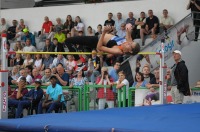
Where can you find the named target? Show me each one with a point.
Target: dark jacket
(60, 48)
(181, 76)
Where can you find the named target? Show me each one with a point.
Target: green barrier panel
(75, 88)
(120, 92)
(87, 91)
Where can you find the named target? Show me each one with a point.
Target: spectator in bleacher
(23, 73)
(151, 27)
(105, 95)
(70, 64)
(109, 21)
(18, 46)
(121, 82)
(30, 99)
(3, 26)
(58, 25)
(46, 78)
(59, 60)
(78, 27)
(28, 60)
(62, 76)
(122, 31)
(154, 82)
(132, 20)
(140, 23)
(35, 75)
(194, 5)
(53, 98)
(28, 35)
(139, 80)
(93, 67)
(147, 74)
(48, 46)
(47, 61)
(90, 31)
(29, 47)
(29, 70)
(18, 93)
(18, 60)
(19, 30)
(79, 80)
(119, 21)
(68, 25)
(180, 82)
(165, 21)
(46, 28)
(113, 72)
(15, 73)
(38, 62)
(59, 35)
(11, 33)
(99, 30)
(10, 57)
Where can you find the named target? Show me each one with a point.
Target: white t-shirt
(166, 21)
(38, 63)
(28, 79)
(126, 83)
(29, 49)
(104, 83)
(79, 26)
(26, 62)
(70, 65)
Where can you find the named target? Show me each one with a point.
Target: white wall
(94, 14)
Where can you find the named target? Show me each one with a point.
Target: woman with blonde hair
(18, 46)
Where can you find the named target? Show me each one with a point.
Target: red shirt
(109, 95)
(14, 94)
(47, 26)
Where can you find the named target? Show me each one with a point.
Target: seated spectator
(62, 76)
(28, 35)
(53, 98)
(166, 21)
(38, 62)
(71, 64)
(31, 99)
(119, 21)
(59, 60)
(48, 46)
(122, 31)
(19, 30)
(29, 70)
(18, 61)
(3, 26)
(46, 78)
(58, 25)
(139, 80)
(11, 33)
(140, 23)
(105, 95)
(57, 46)
(18, 46)
(109, 21)
(18, 93)
(99, 30)
(46, 29)
(23, 73)
(28, 61)
(68, 25)
(29, 47)
(151, 27)
(59, 35)
(78, 27)
(90, 32)
(78, 80)
(14, 75)
(35, 75)
(47, 61)
(93, 67)
(10, 57)
(113, 72)
(121, 82)
(154, 82)
(131, 20)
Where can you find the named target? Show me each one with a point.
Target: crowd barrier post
(131, 90)
(120, 92)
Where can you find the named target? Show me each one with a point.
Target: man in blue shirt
(29, 35)
(54, 92)
(32, 98)
(62, 76)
